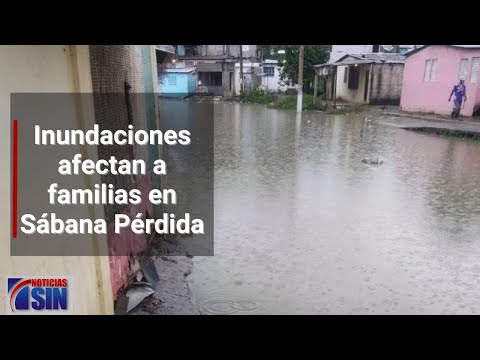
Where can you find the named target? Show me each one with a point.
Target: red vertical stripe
(15, 180)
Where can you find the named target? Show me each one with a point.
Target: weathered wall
(209, 67)
(230, 50)
(250, 53)
(274, 83)
(118, 74)
(228, 80)
(45, 68)
(476, 107)
(386, 84)
(432, 96)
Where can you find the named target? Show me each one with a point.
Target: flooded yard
(303, 226)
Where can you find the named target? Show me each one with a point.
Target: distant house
(271, 77)
(339, 51)
(432, 71)
(215, 65)
(251, 76)
(370, 78)
(176, 82)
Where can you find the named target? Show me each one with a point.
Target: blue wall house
(177, 82)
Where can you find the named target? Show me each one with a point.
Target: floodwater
(302, 226)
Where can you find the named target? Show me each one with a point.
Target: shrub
(289, 102)
(256, 96)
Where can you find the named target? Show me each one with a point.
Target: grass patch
(257, 96)
(289, 102)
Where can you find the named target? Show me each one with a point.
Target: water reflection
(303, 226)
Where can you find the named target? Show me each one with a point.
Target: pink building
(430, 74)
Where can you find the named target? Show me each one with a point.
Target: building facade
(339, 51)
(215, 65)
(178, 82)
(371, 78)
(271, 77)
(432, 71)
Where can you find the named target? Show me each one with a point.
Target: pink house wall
(421, 96)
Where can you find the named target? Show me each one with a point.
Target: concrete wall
(432, 96)
(209, 66)
(249, 51)
(248, 68)
(114, 67)
(230, 50)
(45, 68)
(351, 95)
(476, 108)
(386, 84)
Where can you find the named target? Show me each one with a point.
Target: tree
(314, 55)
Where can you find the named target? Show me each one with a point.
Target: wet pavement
(302, 226)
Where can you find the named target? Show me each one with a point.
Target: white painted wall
(274, 83)
(247, 67)
(49, 68)
(271, 84)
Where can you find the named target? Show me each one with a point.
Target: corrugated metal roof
(368, 58)
(166, 48)
(376, 57)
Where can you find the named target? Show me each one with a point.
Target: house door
(365, 94)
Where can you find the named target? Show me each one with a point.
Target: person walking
(460, 93)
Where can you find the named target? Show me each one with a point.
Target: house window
(430, 73)
(462, 71)
(475, 69)
(172, 81)
(269, 71)
(345, 74)
(433, 72)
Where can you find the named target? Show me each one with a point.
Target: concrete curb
(427, 118)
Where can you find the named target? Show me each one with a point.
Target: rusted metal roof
(367, 58)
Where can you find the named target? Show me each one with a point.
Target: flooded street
(302, 226)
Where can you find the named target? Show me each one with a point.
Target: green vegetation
(275, 101)
(289, 102)
(313, 55)
(257, 96)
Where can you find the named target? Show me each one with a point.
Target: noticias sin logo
(38, 295)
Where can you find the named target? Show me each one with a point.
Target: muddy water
(302, 226)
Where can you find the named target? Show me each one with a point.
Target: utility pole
(241, 67)
(300, 80)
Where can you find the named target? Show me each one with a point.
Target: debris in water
(375, 161)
